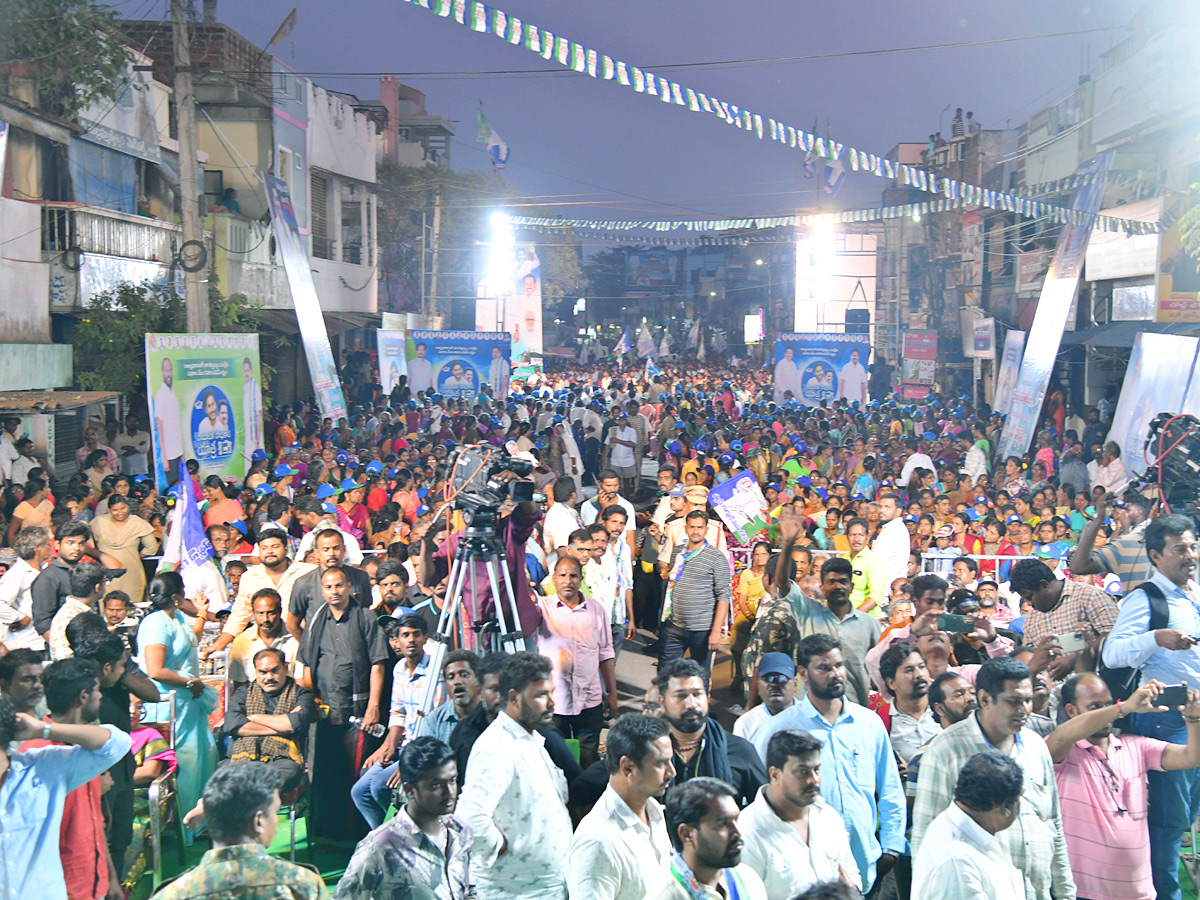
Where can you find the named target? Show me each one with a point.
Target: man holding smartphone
(1171, 655)
(1061, 608)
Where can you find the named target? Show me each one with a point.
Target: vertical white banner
(321, 367)
(1055, 302)
(1010, 366)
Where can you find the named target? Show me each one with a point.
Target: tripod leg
(497, 574)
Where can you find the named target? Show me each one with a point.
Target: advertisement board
(321, 368)
(392, 364)
(510, 299)
(656, 267)
(205, 403)
(1155, 381)
(1010, 365)
(456, 363)
(816, 367)
(1054, 304)
(1178, 274)
(1031, 267)
(919, 357)
(984, 334)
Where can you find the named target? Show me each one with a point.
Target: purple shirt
(575, 641)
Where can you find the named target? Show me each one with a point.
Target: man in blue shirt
(1170, 655)
(33, 786)
(859, 777)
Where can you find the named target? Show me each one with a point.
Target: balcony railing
(91, 229)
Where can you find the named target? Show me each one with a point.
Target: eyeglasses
(1115, 784)
(776, 678)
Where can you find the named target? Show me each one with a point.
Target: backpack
(1124, 680)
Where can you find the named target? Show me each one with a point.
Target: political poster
(205, 403)
(456, 364)
(1155, 381)
(510, 298)
(822, 366)
(919, 357)
(1010, 365)
(390, 345)
(1054, 305)
(741, 505)
(321, 368)
(984, 338)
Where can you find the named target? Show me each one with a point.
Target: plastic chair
(163, 798)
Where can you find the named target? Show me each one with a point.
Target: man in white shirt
(917, 459)
(8, 448)
(166, 421)
(776, 689)
(561, 519)
(892, 545)
(1112, 475)
(515, 798)
(960, 858)
(621, 441)
(132, 447)
(267, 631)
(622, 844)
(853, 379)
(16, 603)
(498, 374)
(794, 839)
(420, 371)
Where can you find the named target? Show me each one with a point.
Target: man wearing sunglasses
(776, 689)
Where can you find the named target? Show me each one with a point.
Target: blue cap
(325, 491)
(375, 467)
(284, 469)
(1012, 518)
(239, 526)
(349, 484)
(675, 447)
(329, 508)
(911, 518)
(342, 457)
(393, 472)
(727, 459)
(929, 436)
(735, 446)
(263, 490)
(776, 664)
(701, 446)
(259, 455)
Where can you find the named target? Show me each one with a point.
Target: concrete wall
(35, 367)
(252, 142)
(24, 278)
(340, 140)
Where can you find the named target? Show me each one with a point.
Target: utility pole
(437, 233)
(195, 290)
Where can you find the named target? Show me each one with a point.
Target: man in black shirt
(344, 654)
(307, 596)
(53, 584)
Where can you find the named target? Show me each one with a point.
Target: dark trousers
(591, 456)
(1174, 803)
(337, 758)
(119, 801)
(677, 641)
(584, 727)
(647, 598)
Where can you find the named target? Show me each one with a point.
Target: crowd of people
(953, 675)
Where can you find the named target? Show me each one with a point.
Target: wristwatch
(46, 731)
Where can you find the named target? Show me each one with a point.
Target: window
(322, 247)
(283, 169)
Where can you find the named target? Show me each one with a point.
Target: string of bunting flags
(485, 19)
(871, 214)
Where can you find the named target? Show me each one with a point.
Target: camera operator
(514, 527)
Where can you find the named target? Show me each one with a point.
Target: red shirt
(81, 842)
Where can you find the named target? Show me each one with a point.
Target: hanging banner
(1010, 365)
(824, 366)
(205, 403)
(919, 360)
(321, 368)
(984, 335)
(741, 505)
(390, 345)
(1054, 304)
(1155, 381)
(3, 149)
(456, 363)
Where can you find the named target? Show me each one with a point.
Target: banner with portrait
(205, 402)
(456, 363)
(1010, 365)
(390, 345)
(822, 366)
(741, 505)
(510, 299)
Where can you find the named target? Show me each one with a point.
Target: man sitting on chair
(268, 719)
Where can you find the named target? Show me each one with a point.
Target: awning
(26, 403)
(1123, 334)
(335, 322)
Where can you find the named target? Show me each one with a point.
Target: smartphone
(961, 624)
(1173, 696)
(1072, 642)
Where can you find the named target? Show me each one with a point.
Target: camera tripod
(459, 624)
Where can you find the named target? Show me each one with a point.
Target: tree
(110, 338)
(70, 47)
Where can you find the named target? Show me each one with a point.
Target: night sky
(593, 149)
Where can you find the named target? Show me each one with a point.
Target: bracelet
(46, 731)
(1119, 713)
(1191, 718)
